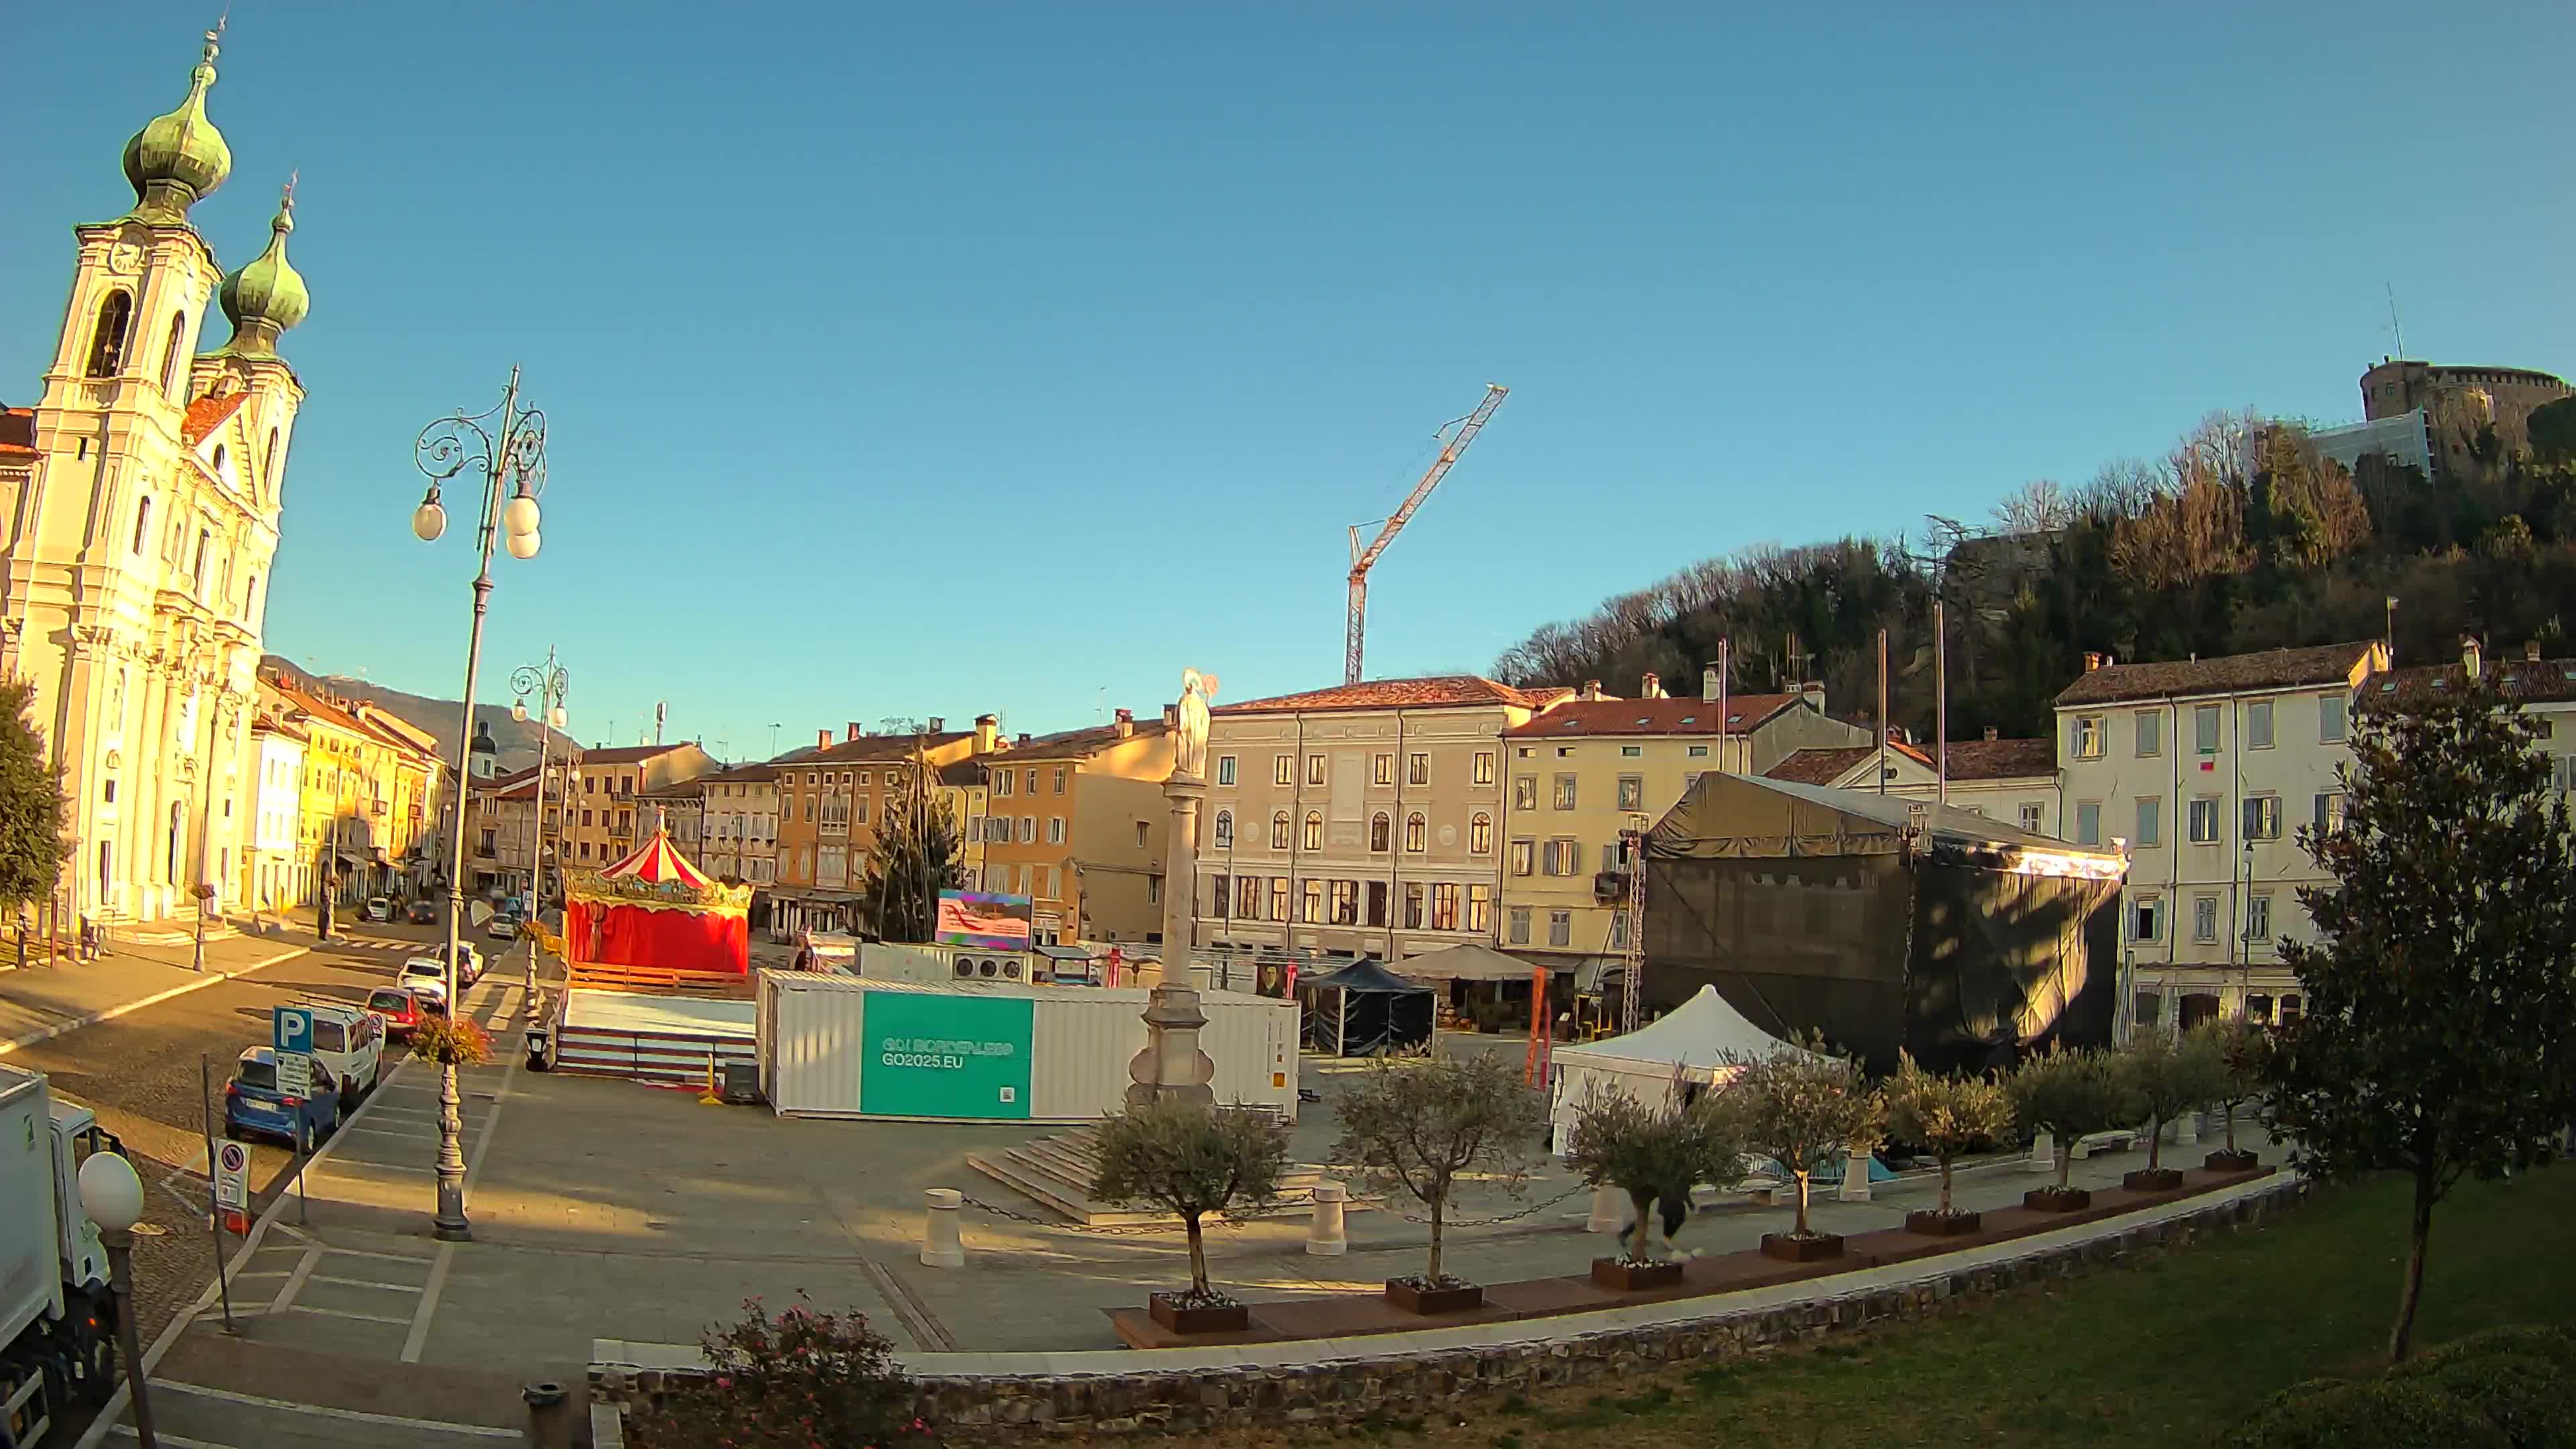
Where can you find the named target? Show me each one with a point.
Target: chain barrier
(1101, 1230)
(1536, 1207)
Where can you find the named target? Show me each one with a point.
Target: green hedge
(2512, 1387)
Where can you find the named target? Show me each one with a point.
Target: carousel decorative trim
(590, 885)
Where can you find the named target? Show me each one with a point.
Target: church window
(250, 597)
(170, 357)
(219, 460)
(204, 537)
(142, 522)
(268, 464)
(107, 340)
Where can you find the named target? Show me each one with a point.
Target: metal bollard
(1609, 1211)
(1324, 1235)
(940, 1245)
(549, 1416)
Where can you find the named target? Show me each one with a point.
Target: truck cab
(57, 1313)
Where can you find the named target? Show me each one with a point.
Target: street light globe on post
(519, 516)
(519, 710)
(523, 545)
(110, 1192)
(555, 716)
(429, 520)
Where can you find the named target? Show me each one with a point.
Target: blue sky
(934, 359)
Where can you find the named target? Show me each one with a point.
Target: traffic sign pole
(215, 1216)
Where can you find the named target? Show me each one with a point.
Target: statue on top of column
(1189, 744)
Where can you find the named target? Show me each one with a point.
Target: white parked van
(348, 1041)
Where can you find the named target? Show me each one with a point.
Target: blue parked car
(254, 1107)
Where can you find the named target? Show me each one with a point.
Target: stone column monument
(1172, 1065)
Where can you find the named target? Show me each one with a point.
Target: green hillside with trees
(2243, 537)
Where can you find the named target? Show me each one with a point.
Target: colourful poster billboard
(938, 1054)
(984, 922)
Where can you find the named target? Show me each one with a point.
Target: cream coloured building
(1362, 819)
(2206, 769)
(274, 871)
(741, 825)
(2013, 782)
(150, 485)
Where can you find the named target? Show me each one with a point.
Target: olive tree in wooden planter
(1191, 1159)
(2236, 1051)
(1947, 1116)
(1418, 1127)
(1655, 1153)
(2070, 1095)
(1801, 1106)
(2165, 1075)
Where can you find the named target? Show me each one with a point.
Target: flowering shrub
(451, 1040)
(797, 1380)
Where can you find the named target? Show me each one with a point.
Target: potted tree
(1948, 1116)
(1654, 1154)
(2070, 1094)
(1800, 1106)
(2235, 1052)
(1419, 1127)
(2164, 1076)
(1191, 1159)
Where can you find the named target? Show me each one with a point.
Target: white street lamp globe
(519, 710)
(519, 516)
(523, 545)
(110, 1192)
(428, 521)
(555, 717)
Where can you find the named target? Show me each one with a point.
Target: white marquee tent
(1684, 1045)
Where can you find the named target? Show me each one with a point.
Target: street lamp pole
(111, 1193)
(507, 446)
(548, 682)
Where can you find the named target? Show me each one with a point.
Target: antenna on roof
(2394, 329)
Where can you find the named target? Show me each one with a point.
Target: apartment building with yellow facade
(1594, 766)
(1359, 820)
(366, 806)
(831, 799)
(740, 838)
(1078, 822)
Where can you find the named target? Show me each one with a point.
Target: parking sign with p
(291, 1030)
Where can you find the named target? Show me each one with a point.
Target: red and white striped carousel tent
(656, 911)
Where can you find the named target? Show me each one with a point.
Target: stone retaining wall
(986, 1408)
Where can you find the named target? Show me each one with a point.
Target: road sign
(294, 1075)
(232, 1177)
(291, 1030)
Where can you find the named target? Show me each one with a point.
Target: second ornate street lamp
(549, 682)
(507, 446)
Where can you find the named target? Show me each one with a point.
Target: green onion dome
(266, 297)
(177, 159)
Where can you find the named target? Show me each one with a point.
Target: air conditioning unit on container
(967, 963)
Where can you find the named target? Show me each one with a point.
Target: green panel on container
(935, 1055)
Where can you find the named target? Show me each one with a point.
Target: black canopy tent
(1882, 922)
(1366, 1010)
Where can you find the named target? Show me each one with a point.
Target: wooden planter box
(1411, 1299)
(2057, 1199)
(1621, 1276)
(1937, 1224)
(1802, 1250)
(2224, 1161)
(1214, 1318)
(2152, 1179)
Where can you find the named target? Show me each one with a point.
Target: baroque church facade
(144, 493)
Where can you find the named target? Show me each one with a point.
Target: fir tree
(919, 852)
(32, 844)
(2439, 1039)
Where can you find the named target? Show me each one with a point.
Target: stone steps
(1057, 1172)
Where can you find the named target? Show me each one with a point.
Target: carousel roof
(658, 862)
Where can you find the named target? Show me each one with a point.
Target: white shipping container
(813, 1045)
(31, 1279)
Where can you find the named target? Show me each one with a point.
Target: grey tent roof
(1756, 816)
(1468, 961)
(1364, 975)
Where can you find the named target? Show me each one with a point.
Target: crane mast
(1362, 559)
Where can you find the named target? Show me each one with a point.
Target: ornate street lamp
(549, 682)
(507, 447)
(112, 1195)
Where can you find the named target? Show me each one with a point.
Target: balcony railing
(621, 832)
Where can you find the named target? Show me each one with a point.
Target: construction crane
(1363, 559)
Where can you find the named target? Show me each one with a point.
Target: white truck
(57, 1315)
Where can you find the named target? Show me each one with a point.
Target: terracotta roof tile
(1430, 692)
(1999, 759)
(1579, 717)
(2543, 681)
(1820, 767)
(870, 747)
(1081, 744)
(17, 433)
(629, 754)
(750, 774)
(2321, 664)
(207, 414)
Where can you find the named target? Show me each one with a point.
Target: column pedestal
(1325, 1237)
(2043, 1154)
(1856, 1175)
(940, 1245)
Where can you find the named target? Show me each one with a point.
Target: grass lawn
(2158, 1354)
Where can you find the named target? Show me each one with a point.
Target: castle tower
(137, 564)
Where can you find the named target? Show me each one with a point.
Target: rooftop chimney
(1814, 690)
(2531, 651)
(1592, 689)
(988, 732)
(854, 730)
(2092, 661)
(1024, 737)
(2471, 656)
(1708, 685)
(1653, 687)
(1171, 716)
(938, 724)
(822, 739)
(1125, 723)
(1990, 732)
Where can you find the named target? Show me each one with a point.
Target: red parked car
(402, 1010)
